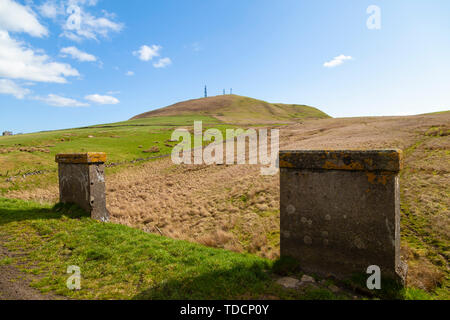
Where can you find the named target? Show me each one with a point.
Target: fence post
(82, 181)
(340, 211)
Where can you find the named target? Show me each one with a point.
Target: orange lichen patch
(286, 164)
(329, 165)
(381, 178)
(369, 162)
(284, 161)
(395, 154)
(384, 178)
(89, 157)
(371, 177)
(396, 157)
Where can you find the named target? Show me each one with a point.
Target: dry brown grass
(153, 149)
(24, 149)
(42, 195)
(422, 273)
(197, 203)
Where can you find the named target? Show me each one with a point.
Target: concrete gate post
(82, 181)
(340, 211)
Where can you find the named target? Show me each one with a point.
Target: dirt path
(15, 285)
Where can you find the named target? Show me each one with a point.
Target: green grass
(123, 142)
(118, 262)
(181, 120)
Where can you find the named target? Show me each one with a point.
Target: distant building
(7, 133)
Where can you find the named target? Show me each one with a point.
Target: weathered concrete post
(340, 211)
(82, 181)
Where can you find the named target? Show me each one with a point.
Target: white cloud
(75, 53)
(96, 98)
(60, 101)
(129, 73)
(10, 87)
(146, 53)
(50, 9)
(83, 2)
(20, 62)
(162, 63)
(337, 61)
(15, 17)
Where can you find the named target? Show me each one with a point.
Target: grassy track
(118, 262)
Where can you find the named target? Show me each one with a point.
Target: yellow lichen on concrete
(285, 164)
(369, 162)
(79, 158)
(384, 177)
(381, 178)
(329, 165)
(351, 160)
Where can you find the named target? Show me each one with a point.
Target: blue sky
(70, 63)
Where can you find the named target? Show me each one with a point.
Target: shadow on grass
(16, 210)
(239, 282)
(391, 289)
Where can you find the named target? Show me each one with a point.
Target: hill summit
(238, 110)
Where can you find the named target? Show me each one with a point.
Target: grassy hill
(238, 110)
(144, 136)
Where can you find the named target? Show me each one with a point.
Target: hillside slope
(238, 110)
